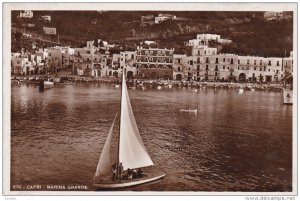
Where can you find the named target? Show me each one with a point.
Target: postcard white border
(180, 6)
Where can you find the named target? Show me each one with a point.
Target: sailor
(140, 173)
(121, 168)
(114, 171)
(129, 174)
(134, 174)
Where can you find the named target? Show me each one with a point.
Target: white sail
(104, 164)
(132, 152)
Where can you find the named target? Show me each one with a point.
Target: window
(88, 52)
(254, 62)
(178, 68)
(269, 69)
(223, 67)
(238, 68)
(223, 59)
(198, 67)
(260, 62)
(228, 68)
(198, 73)
(206, 67)
(264, 68)
(248, 61)
(269, 63)
(18, 62)
(277, 63)
(207, 60)
(216, 68)
(217, 60)
(260, 69)
(95, 59)
(87, 59)
(231, 61)
(254, 68)
(238, 61)
(191, 62)
(204, 51)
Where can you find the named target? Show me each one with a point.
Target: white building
(26, 14)
(49, 30)
(46, 18)
(163, 17)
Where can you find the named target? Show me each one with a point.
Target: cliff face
(249, 31)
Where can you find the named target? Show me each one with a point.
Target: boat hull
(127, 183)
(48, 84)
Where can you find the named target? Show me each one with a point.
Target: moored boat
(287, 96)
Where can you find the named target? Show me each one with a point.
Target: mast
(118, 158)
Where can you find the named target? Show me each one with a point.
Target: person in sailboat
(140, 173)
(114, 172)
(134, 174)
(129, 174)
(121, 169)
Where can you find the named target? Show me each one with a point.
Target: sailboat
(131, 151)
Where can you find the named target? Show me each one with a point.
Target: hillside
(250, 33)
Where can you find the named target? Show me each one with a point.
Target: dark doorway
(178, 77)
(129, 74)
(242, 77)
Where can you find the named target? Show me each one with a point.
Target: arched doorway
(242, 77)
(169, 66)
(179, 77)
(129, 74)
(115, 74)
(99, 73)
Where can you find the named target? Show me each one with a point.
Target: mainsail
(104, 164)
(132, 152)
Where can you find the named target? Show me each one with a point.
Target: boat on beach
(132, 153)
(48, 84)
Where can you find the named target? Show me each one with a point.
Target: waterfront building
(179, 67)
(101, 65)
(42, 52)
(127, 62)
(252, 69)
(154, 63)
(55, 59)
(22, 65)
(287, 63)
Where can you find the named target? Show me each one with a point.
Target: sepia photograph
(178, 98)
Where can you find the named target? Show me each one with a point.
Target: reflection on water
(234, 142)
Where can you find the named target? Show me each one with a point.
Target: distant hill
(250, 33)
